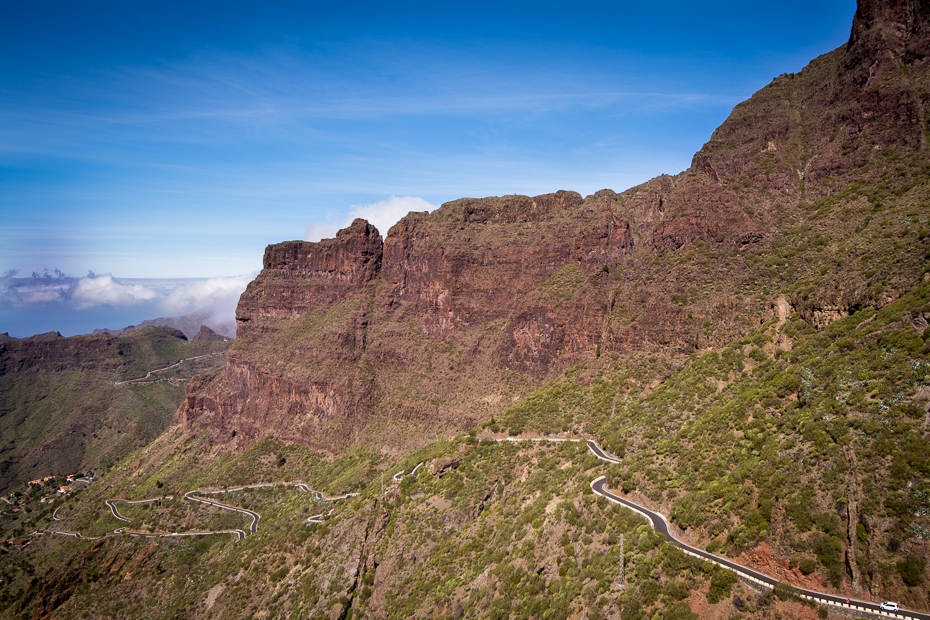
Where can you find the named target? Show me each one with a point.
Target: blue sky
(177, 140)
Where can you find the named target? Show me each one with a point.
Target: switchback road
(151, 372)
(413, 474)
(253, 527)
(660, 524)
(240, 534)
(598, 486)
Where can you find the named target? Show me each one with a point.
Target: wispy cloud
(292, 93)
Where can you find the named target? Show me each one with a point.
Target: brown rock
(460, 311)
(441, 467)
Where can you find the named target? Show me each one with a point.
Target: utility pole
(622, 575)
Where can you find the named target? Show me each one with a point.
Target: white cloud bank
(104, 290)
(216, 298)
(382, 215)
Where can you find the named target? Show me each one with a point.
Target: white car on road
(887, 606)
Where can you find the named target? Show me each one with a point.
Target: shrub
(786, 592)
(911, 569)
(807, 565)
(721, 583)
(678, 590)
(679, 611)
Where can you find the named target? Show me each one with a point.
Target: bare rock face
(459, 312)
(895, 26)
(837, 115)
(455, 314)
(298, 276)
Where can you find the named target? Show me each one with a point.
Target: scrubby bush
(679, 611)
(721, 583)
(807, 565)
(911, 570)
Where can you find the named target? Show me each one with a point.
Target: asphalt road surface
(253, 527)
(599, 487)
(413, 474)
(596, 449)
(661, 526)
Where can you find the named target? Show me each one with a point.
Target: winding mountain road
(158, 370)
(111, 504)
(413, 474)
(253, 526)
(190, 496)
(660, 524)
(239, 534)
(599, 453)
(320, 496)
(67, 533)
(598, 486)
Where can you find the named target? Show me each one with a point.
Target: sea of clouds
(54, 301)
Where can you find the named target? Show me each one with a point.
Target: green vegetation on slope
(486, 530)
(63, 407)
(779, 437)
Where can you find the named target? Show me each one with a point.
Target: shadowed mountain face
(811, 197)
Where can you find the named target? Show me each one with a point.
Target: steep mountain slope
(190, 324)
(66, 404)
(750, 337)
(801, 451)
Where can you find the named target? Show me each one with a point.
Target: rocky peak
(329, 271)
(886, 36)
(848, 108)
(207, 334)
(353, 256)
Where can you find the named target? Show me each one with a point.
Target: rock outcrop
(458, 312)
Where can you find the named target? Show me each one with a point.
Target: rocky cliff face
(298, 277)
(458, 312)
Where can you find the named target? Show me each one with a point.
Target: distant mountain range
(190, 324)
(68, 404)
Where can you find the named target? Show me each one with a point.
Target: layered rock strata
(456, 313)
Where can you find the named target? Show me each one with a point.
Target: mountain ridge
(502, 292)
